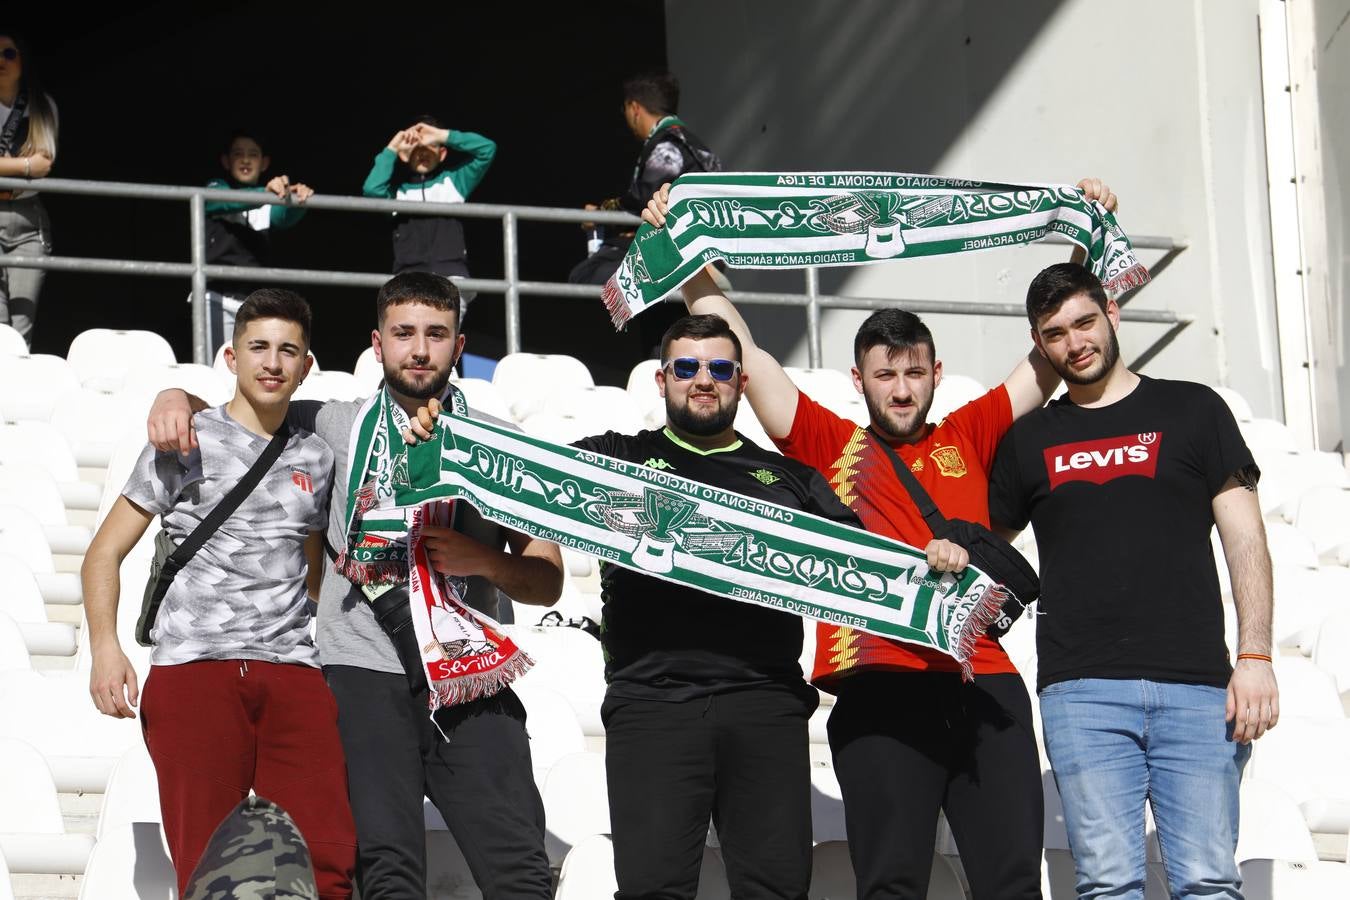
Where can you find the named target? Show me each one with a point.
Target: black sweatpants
(907, 744)
(741, 758)
(480, 780)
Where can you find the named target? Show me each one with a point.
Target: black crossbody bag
(989, 553)
(169, 560)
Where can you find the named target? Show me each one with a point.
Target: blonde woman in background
(27, 150)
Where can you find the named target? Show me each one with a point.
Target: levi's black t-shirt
(1120, 500)
(664, 641)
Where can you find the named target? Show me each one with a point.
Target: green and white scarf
(792, 220)
(464, 653)
(694, 534)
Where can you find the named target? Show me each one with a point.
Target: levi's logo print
(1104, 460)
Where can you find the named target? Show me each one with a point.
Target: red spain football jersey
(952, 462)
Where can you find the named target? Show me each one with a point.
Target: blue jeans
(1114, 744)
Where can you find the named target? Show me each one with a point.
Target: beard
(432, 387)
(700, 421)
(1105, 361)
(884, 420)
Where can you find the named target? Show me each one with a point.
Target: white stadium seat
(141, 385)
(55, 714)
(30, 487)
(954, 392)
(32, 832)
(1271, 826)
(1331, 650)
(6, 887)
(22, 601)
(825, 386)
(94, 422)
(41, 444)
(827, 805)
(531, 381)
(133, 792)
(1310, 760)
(130, 863)
(21, 536)
(644, 393)
(1288, 546)
(102, 357)
(1268, 435)
(570, 662)
(551, 723)
(11, 342)
(35, 386)
(576, 803)
(13, 648)
(1306, 690)
(1272, 879)
(1237, 404)
(1303, 598)
(482, 396)
(369, 371)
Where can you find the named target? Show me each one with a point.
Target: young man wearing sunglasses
(908, 736)
(706, 711)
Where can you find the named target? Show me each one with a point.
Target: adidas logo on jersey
(1104, 460)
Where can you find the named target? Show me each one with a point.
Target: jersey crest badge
(949, 462)
(300, 478)
(764, 476)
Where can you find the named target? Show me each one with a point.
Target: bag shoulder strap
(937, 522)
(202, 533)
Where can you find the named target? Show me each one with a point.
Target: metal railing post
(200, 347)
(511, 299)
(814, 356)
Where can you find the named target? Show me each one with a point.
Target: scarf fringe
(619, 310)
(985, 613)
(467, 688)
(370, 573)
(1135, 276)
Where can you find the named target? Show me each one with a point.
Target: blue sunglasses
(686, 367)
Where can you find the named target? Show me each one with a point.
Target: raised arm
(1253, 696)
(1033, 381)
(112, 679)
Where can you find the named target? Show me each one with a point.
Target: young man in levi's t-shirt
(908, 737)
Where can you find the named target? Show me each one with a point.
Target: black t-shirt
(664, 641)
(1120, 499)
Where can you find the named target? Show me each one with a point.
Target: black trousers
(480, 780)
(907, 744)
(741, 758)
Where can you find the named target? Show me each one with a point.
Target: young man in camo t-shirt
(235, 699)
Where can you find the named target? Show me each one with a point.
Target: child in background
(416, 155)
(238, 234)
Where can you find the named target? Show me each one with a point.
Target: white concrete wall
(1331, 51)
(1162, 98)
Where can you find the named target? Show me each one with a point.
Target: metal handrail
(510, 286)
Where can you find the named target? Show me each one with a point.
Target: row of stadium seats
(64, 455)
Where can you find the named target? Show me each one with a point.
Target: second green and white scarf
(798, 219)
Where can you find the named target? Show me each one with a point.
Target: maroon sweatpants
(216, 728)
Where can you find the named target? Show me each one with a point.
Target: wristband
(1260, 656)
(28, 167)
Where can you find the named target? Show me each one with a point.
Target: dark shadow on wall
(883, 85)
(148, 93)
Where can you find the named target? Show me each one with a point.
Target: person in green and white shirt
(413, 167)
(239, 233)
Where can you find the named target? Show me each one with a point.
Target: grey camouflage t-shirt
(242, 596)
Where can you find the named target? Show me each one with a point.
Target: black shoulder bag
(170, 559)
(989, 553)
